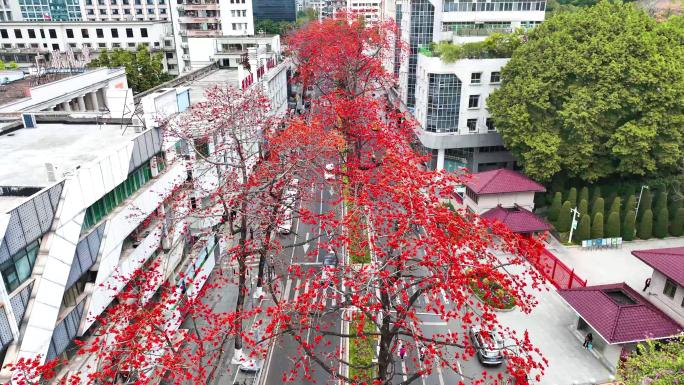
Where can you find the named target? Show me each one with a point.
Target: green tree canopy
(654, 363)
(677, 228)
(144, 69)
(564, 218)
(598, 207)
(595, 93)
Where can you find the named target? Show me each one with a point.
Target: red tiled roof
(518, 219)
(502, 181)
(633, 320)
(668, 261)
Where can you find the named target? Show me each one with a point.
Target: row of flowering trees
(417, 244)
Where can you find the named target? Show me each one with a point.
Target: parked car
(329, 264)
(488, 346)
(328, 173)
(285, 222)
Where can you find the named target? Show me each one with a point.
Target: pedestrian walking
(588, 341)
(421, 353)
(647, 284)
(402, 352)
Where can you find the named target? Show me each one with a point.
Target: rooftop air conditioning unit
(51, 172)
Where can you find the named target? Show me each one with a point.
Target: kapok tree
(418, 247)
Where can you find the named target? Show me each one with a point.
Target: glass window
(490, 125)
(474, 101)
(70, 33)
(143, 32)
(99, 32)
(23, 267)
(472, 125)
(17, 33)
(53, 33)
(129, 32)
(3, 34)
(32, 34)
(202, 147)
(475, 77)
(670, 288)
(495, 78)
(115, 32)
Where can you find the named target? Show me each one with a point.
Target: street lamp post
(639, 201)
(573, 223)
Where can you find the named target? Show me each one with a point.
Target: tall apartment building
(277, 10)
(449, 100)
(27, 43)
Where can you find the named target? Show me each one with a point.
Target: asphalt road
(309, 257)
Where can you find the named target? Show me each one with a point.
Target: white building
(125, 10)
(370, 10)
(228, 51)
(449, 100)
(28, 43)
(102, 90)
(83, 203)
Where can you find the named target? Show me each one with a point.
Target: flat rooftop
(18, 89)
(222, 77)
(24, 152)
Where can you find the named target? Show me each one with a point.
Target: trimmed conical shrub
(646, 225)
(555, 208)
(613, 225)
(615, 206)
(662, 223)
(572, 197)
(583, 207)
(677, 228)
(660, 202)
(631, 203)
(628, 226)
(597, 226)
(583, 229)
(596, 194)
(583, 194)
(676, 203)
(645, 204)
(597, 207)
(564, 218)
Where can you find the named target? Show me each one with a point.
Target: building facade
(125, 10)
(33, 44)
(276, 10)
(449, 99)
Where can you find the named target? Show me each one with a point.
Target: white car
(285, 222)
(328, 173)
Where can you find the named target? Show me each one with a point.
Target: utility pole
(639, 201)
(573, 224)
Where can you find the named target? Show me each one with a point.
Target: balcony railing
(190, 19)
(199, 7)
(465, 32)
(201, 32)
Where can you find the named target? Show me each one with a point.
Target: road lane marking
(318, 240)
(439, 376)
(296, 292)
(286, 293)
(306, 244)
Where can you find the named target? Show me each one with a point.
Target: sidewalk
(606, 266)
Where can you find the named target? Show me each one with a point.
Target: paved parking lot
(606, 266)
(549, 326)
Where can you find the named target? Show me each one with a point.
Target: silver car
(488, 346)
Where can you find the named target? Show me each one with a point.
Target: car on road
(290, 194)
(251, 366)
(285, 222)
(330, 262)
(488, 345)
(328, 173)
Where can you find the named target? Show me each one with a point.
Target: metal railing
(465, 32)
(6, 336)
(66, 330)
